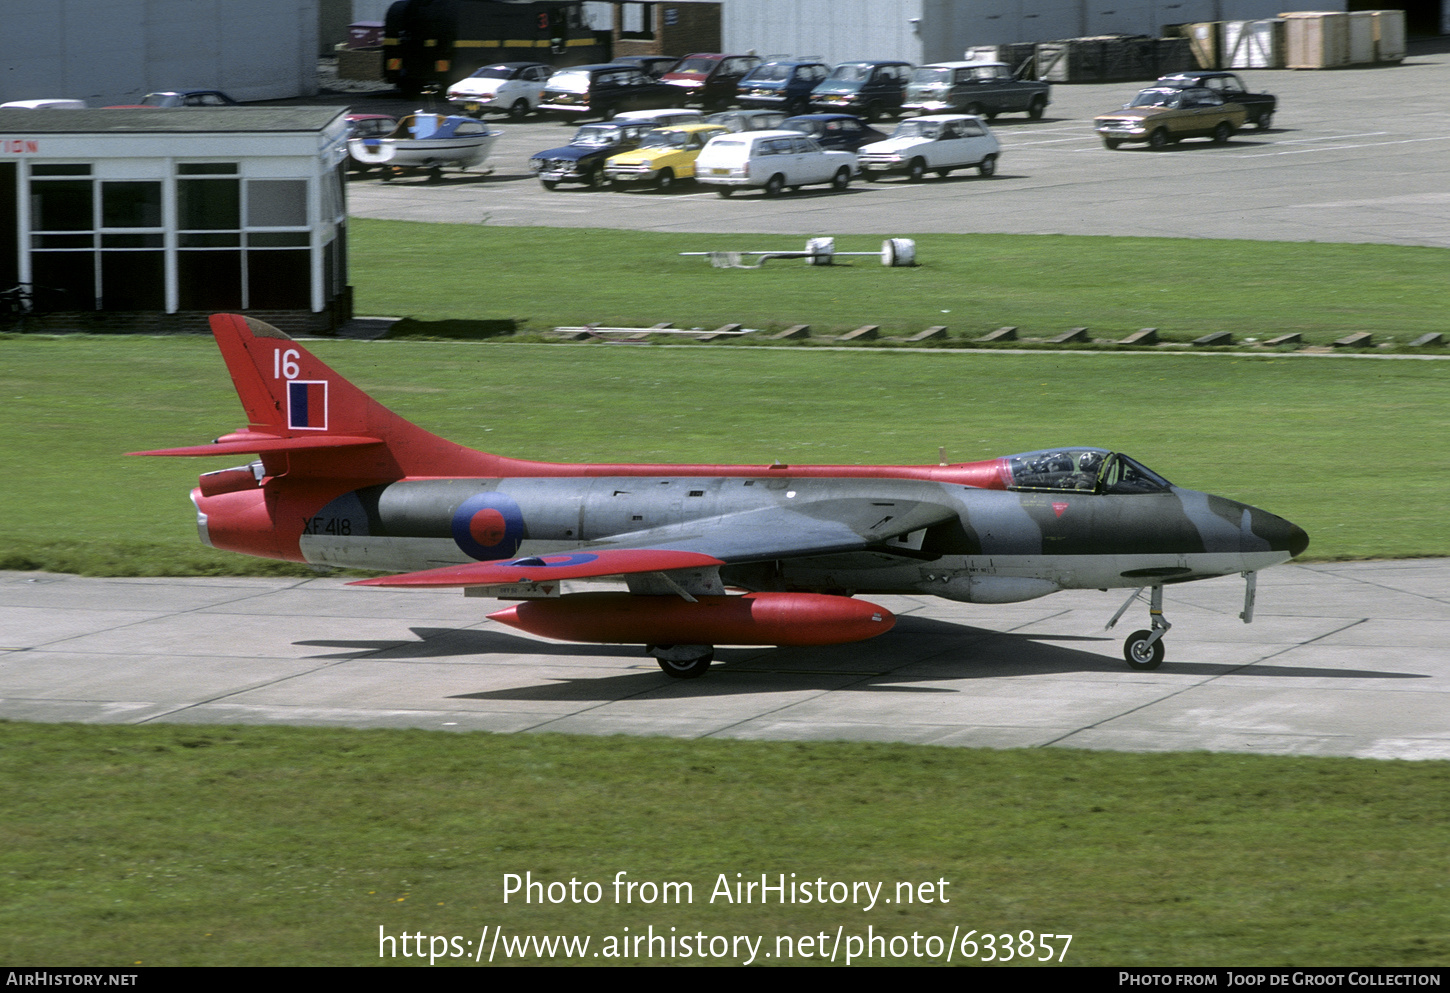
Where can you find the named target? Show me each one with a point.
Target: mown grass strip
(176, 845)
(539, 278)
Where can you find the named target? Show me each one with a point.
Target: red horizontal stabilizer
(752, 619)
(546, 568)
(262, 444)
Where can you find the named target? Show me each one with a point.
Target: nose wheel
(1145, 649)
(683, 661)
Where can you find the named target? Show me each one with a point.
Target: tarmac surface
(1342, 659)
(1354, 155)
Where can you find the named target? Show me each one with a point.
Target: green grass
(1353, 450)
(539, 278)
(175, 845)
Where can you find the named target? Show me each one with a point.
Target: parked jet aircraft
(342, 481)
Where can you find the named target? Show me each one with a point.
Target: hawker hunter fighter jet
(342, 481)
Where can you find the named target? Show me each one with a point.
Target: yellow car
(663, 156)
(1163, 115)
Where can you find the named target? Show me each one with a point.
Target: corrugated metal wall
(116, 51)
(940, 30)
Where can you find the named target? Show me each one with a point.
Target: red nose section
(753, 619)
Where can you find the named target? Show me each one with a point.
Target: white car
(512, 88)
(771, 160)
(939, 144)
(666, 117)
(51, 104)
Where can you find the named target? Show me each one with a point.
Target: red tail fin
(306, 420)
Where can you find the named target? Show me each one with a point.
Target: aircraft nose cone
(1282, 535)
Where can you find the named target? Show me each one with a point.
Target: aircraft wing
(820, 528)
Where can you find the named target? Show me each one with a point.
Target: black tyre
(725, 191)
(549, 184)
(842, 179)
(1158, 139)
(975, 109)
(1036, 109)
(689, 669)
(1111, 143)
(595, 180)
(518, 110)
(774, 185)
(1140, 654)
(868, 176)
(873, 111)
(665, 180)
(1222, 133)
(988, 166)
(916, 172)
(1264, 120)
(943, 173)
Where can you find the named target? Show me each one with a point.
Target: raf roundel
(488, 526)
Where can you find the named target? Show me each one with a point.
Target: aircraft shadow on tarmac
(919, 650)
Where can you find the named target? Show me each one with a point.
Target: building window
(636, 21)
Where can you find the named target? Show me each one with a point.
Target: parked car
(748, 120)
(653, 66)
(54, 103)
(984, 89)
(603, 90)
(937, 143)
(662, 117)
(872, 90)
(835, 130)
(181, 98)
(785, 84)
(1161, 115)
(664, 156)
(1259, 107)
(367, 126)
(582, 160)
(772, 161)
(709, 79)
(513, 88)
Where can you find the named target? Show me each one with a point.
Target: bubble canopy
(1080, 470)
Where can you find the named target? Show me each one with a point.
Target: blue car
(582, 160)
(840, 131)
(784, 85)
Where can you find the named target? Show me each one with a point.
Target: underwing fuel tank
(752, 619)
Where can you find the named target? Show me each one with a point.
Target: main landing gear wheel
(683, 661)
(1139, 653)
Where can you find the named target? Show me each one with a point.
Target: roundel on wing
(488, 526)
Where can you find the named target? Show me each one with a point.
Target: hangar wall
(116, 51)
(922, 31)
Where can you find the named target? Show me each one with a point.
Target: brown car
(1163, 115)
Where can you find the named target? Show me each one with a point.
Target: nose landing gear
(1145, 649)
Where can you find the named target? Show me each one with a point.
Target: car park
(181, 98)
(835, 130)
(603, 90)
(664, 156)
(653, 66)
(984, 89)
(582, 160)
(1162, 115)
(784, 84)
(938, 143)
(871, 90)
(771, 161)
(709, 78)
(513, 88)
(1258, 107)
(748, 120)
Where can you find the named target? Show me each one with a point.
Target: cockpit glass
(1082, 470)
